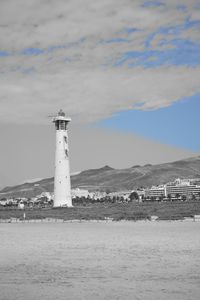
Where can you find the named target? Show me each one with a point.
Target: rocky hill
(109, 179)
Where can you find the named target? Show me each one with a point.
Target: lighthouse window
(57, 125)
(62, 125)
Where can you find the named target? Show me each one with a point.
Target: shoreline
(54, 220)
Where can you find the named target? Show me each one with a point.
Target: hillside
(107, 178)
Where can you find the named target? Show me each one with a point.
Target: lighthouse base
(63, 206)
(62, 202)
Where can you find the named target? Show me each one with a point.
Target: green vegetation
(116, 211)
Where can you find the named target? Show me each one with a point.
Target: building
(121, 194)
(178, 188)
(97, 195)
(79, 193)
(62, 184)
(182, 187)
(156, 191)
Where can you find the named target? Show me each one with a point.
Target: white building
(3, 202)
(124, 194)
(97, 195)
(48, 195)
(62, 184)
(79, 193)
(156, 191)
(178, 187)
(182, 187)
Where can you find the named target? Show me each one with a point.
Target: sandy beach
(114, 260)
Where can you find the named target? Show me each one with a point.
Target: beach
(91, 260)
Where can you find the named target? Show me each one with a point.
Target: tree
(108, 191)
(183, 197)
(193, 197)
(133, 196)
(114, 199)
(170, 197)
(153, 198)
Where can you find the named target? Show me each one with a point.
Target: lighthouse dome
(61, 113)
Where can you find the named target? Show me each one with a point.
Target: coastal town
(178, 190)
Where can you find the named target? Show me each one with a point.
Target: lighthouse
(62, 184)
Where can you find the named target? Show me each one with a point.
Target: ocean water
(124, 260)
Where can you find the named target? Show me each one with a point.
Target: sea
(100, 260)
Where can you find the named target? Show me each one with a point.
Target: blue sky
(153, 3)
(176, 125)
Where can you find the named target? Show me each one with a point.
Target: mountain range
(110, 179)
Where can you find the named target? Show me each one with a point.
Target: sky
(126, 72)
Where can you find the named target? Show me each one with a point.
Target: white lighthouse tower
(62, 185)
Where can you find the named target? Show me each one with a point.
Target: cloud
(92, 94)
(66, 62)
